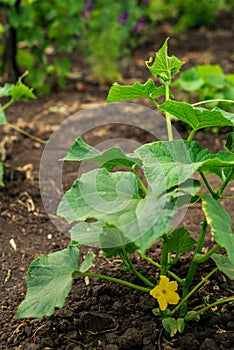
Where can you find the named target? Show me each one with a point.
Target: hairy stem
(210, 189)
(193, 265)
(185, 299)
(25, 133)
(214, 100)
(192, 133)
(167, 115)
(113, 279)
(218, 302)
(226, 181)
(154, 263)
(128, 262)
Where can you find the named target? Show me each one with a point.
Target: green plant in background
(14, 92)
(209, 83)
(39, 35)
(129, 216)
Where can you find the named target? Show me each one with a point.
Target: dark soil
(99, 314)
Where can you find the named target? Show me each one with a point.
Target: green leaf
(87, 262)
(169, 163)
(170, 325)
(109, 159)
(5, 90)
(205, 70)
(25, 59)
(197, 117)
(1, 174)
(180, 324)
(220, 222)
(20, 91)
(180, 241)
(113, 242)
(86, 233)
(229, 145)
(189, 81)
(164, 67)
(130, 92)
(224, 265)
(113, 198)
(98, 193)
(3, 120)
(49, 280)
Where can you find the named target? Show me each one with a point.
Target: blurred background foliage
(40, 35)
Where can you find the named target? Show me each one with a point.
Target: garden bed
(98, 314)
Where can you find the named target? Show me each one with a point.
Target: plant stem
(167, 115)
(128, 262)
(155, 103)
(8, 104)
(214, 100)
(206, 256)
(193, 265)
(212, 192)
(193, 290)
(141, 183)
(23, 132)
(218, 302)
(113, 279)
(226, 181)
(172, 274)
(164, 259)
(192, 133)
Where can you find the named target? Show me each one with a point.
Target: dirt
(99, 314)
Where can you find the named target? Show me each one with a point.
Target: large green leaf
(164, 67)
(49, 280)
(113, 198)
(81, 151)
(169, 163)
(130, 92)
(224, 265)
(197, 117)
(113, 242)
(2, 117)
(97, 194)
(220, 222)
(86, 233)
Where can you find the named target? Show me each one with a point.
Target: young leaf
(130, 92)
(224, 265)
(170, 325)
(2, 117)
(49, 280)
(87, 262)
(169, 163)
(113, 242)
(197, 117)
(20, 91)
(86, 233)
(220, 222)
(164, 67)
(229, 145)
(109, 159)
(180, 241)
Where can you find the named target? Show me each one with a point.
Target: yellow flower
(165, 293)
